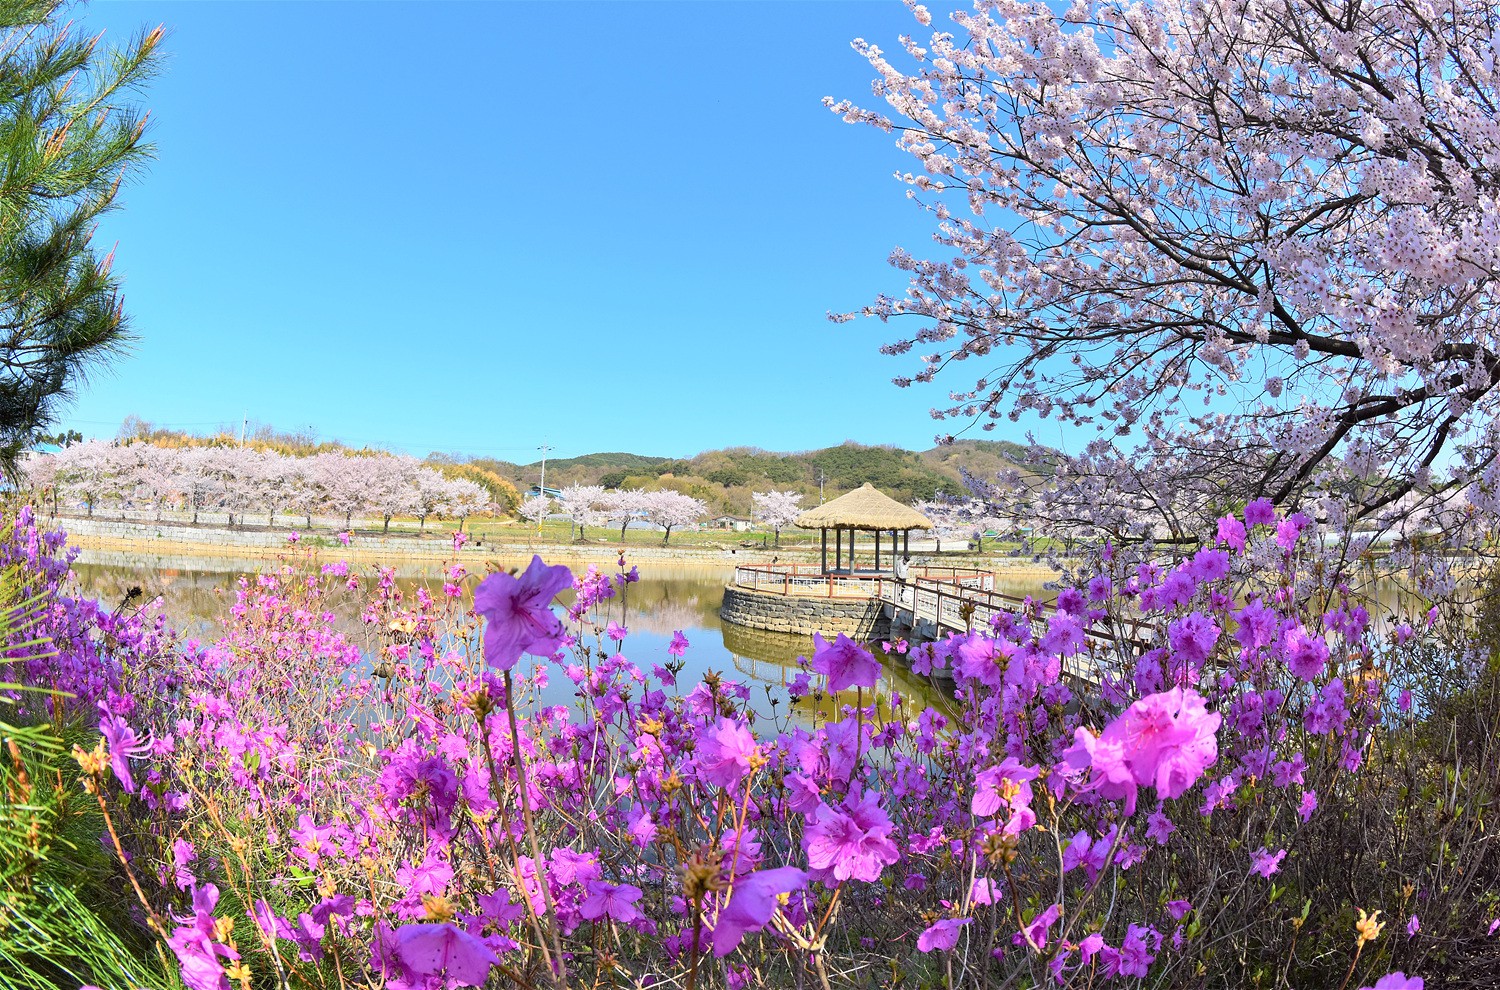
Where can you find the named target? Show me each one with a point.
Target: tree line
(238, 480)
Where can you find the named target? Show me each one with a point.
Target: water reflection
(667, 598)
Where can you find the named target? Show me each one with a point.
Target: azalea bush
(1222, 769)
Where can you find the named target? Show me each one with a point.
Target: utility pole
(544, 447)
(822, 476)
(244, 422)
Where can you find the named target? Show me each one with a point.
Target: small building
(737, 523)
(868, 510)
(536, 490)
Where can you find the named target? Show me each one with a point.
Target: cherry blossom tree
(89, 472)
(669, 509)
(345, 482)
(394, 488)
(430, 494)
(584, 506)
(777, 509)
(945, 516)
(623, 505)
(195, 478)
(155, 476)
(465, 498)
(535, 508)
(1253, 244)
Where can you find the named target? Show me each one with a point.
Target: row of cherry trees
(594, 505)
(240, 480)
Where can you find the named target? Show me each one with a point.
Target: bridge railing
(958, 607)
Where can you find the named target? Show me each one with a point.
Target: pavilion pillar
(877, 549)
(851, 550)
(824, 531)
(838, 549)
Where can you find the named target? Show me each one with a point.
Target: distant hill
(727, 478)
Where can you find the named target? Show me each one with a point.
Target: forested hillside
(727, 478)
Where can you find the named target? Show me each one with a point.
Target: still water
(668, 597)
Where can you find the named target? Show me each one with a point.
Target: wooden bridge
(932, 601)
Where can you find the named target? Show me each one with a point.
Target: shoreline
(128, 543)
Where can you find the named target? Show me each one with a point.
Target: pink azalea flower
(1036, 933)
(1306, 655)
(1167, 740)
(1006, 786)
(751, 904)
(294, 537)
(724, 752)
(845, 663)
(1261, 512)
(1265, 862)
(942, 935)
(518, 613)
(1396, 981)
(616, 632)
(1232, 533)
(1192, 638)
(444, 950)
(613, 901)
(852, 843)
(1413, 925)
(679, 643)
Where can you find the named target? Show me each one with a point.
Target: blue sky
(475, 227)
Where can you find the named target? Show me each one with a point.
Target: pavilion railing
(809, 581)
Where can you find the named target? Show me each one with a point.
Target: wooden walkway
(935, 608)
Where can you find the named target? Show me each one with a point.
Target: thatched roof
(864, 508)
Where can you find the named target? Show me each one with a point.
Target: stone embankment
(859, 618)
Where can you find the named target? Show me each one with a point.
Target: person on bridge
(903, 567)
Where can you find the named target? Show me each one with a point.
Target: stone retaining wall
(860, 618)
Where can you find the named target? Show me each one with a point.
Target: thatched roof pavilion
(865, 509)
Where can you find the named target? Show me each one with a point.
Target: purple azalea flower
(1232, 533)
(1192, 638)
(724, 753)
(1006, 786)
(852, 843)
(616, 632)
(1261, 512)
(679, 643)
(1265, 862)
(199, 956)
(518, 613)
(1396, 981)
(751, 903)
(183, 854)
(1306, 655)
(942, 935)
(444, 950)
(845, 663)
(615, 901)
(1159, 827)
(122, 742)
(1036, 932)
(1135, 956)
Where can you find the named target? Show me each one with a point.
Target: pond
(669, 596)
